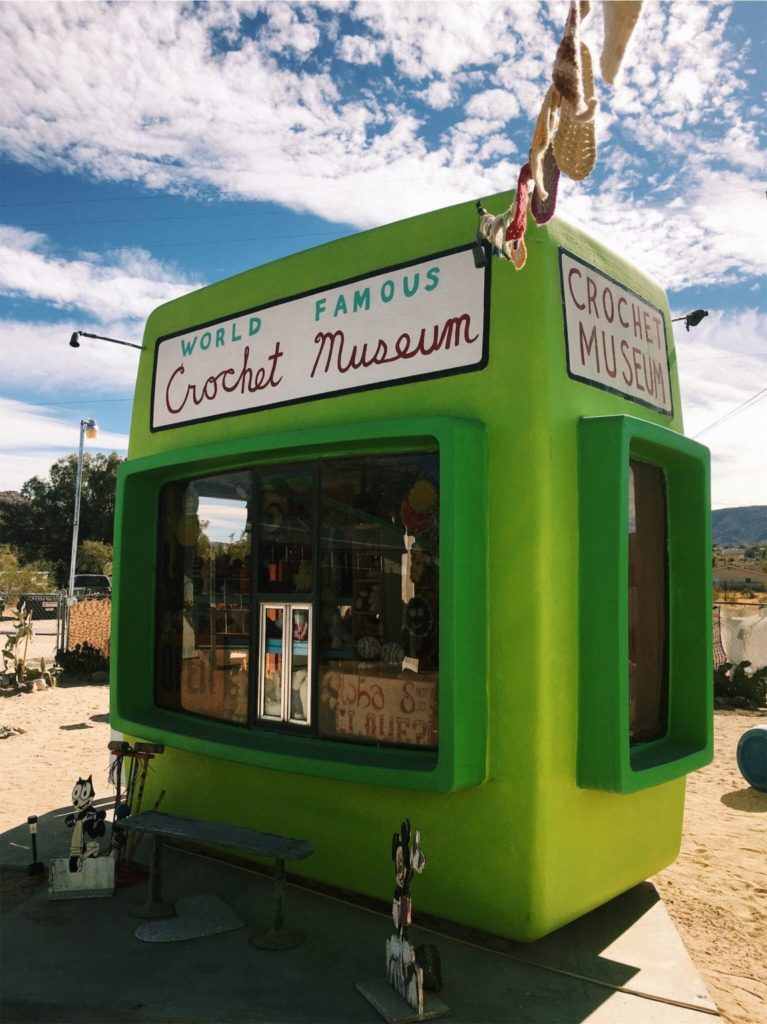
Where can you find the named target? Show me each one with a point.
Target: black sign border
(481, 365)
(642, 298)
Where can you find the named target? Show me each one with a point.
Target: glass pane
(272, 661)
(204, 596)
(379, 611)
(300, 667)
(285, 532)
(648, 603)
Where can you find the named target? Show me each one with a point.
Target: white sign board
(616, 340)
(405, 323)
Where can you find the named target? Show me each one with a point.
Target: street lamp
(74, 341)
(88, 428)
(691, 319)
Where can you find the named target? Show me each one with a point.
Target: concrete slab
(80, 961)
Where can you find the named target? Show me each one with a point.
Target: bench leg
(278, 937)
(156, 907)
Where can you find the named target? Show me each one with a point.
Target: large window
(304, 599)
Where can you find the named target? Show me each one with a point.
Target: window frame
(606, 759)
(460, 760)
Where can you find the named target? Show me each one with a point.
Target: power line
(138, 220)
(143, 243)
(733, 412)
(78, 401)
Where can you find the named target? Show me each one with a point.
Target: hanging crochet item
(492, 229)
(516, 229)
(515, 232)
(544, 200)
(620, 17)
(575, 146)
(568, 75)
(545, 128)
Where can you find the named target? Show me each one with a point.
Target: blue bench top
(177, 826)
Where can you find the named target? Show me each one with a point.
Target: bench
(174, 826)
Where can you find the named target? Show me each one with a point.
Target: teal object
(752, 757)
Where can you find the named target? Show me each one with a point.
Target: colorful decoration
(620, 17)
(567, 75)
(422, 497)
(418, 617)
(368, 648)
(87, 821)
(564, 139)
(416, 522)
(403, 971)
(544, 201)
(575, 146)
(392, 653)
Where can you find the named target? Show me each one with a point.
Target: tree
(39, 526)
(94, 556)
(16, 578)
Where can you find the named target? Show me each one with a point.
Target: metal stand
(394, 1009)
(278, 937)
(156, 907)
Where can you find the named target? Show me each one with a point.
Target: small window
(644, 688)
(285, 663)
(648, 603)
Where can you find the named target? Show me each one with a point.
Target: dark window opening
(648, 603)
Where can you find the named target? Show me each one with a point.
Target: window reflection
(204, 596)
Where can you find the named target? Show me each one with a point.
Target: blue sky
(150, 148)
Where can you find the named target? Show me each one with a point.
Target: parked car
(92, 583)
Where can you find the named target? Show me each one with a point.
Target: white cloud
(146, 92)
(41, 436)
(494, 105)
(37, 357)
(714, 233)
(127, 283)
(358, 50)
(722, 364)
(439, 95)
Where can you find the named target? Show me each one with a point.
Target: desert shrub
(82, 660)
(733, 685)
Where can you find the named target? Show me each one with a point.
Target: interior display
(285, 663)
(332, 545)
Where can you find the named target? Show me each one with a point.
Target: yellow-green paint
(514, 844)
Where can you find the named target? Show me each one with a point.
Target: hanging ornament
(620, 17)
(574, 146)
(418, 617)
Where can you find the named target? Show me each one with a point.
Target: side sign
(615, 339)
(406, 323)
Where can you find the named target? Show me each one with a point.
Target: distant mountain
(747, 525)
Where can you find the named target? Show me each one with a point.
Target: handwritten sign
(616, 340)
(406, 323)
(400, 710)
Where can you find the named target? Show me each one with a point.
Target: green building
(405, 532)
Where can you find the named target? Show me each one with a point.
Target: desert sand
(716, 892)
